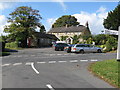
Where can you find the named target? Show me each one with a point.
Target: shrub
(12, 45)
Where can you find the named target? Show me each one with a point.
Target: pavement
(49, 69)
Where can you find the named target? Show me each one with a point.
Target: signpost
(118, 49)
(114, 32)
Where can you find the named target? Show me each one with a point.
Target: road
(46, 68)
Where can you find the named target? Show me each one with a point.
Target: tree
(65, 20)
(24, 20)
(113, 19)
(42, 29)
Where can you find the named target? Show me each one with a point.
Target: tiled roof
(43, 35)
(67, 29)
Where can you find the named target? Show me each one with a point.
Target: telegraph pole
(118, 49)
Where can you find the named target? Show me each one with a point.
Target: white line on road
(50, 87)
(52, 54)
(94, 60)
(52, 62)
(32, 55)
(5, 64)
(74, 61)
(28, 63)
(62, 61)
(59, 54)
(83, 60)
(32, 65)
(66, 54)
(41, 62)
(15, 64)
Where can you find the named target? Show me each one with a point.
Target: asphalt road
(46, 68)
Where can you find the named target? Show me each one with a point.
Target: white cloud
(61, 2)
(3, 22)
(95, 20)
(50, 21)
(5, 5)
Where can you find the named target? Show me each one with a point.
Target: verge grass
(108, 70)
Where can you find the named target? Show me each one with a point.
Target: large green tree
(23, 22)
(113, 19)
(65, 20)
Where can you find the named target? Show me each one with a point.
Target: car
(82, 48)
(60, 46)
(68, 48)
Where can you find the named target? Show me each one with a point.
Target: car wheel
(82, 51)
(56, 49)
(99, 51)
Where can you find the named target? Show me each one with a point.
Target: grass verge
(108, 70)
(4, 53)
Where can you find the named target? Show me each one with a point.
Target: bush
(108, 46)
(12, 45)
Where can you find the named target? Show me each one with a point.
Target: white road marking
(74, 61)
(19, 56)
(94, 60)
(62, 61)
(52, 62)
(5, 65)
(50, 87)
(65, 54)
(28, 63)
(32, 65)
(59, 54)
(52, 54)
(41, 62)
(83, 60)
(32, 55)
(15, 64)
(72, 54)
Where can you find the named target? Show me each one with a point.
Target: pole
(118, 49)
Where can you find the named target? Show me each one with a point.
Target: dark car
(68, 48)
(60, 46)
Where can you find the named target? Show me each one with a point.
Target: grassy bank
(108, 70)
(4, 53)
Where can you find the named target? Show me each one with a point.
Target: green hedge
(12, 45)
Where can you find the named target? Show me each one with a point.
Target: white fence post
(118, 49)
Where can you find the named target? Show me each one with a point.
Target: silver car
(81, 48)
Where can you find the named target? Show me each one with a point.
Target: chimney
(66, 25)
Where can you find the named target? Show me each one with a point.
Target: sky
(93, 12)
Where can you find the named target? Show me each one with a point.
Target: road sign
(112, 32)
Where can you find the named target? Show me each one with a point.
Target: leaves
(24, 20)
(65, 20)
(113, 19)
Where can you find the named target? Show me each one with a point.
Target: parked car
(60, 46)
(68, 48)
(81, 48)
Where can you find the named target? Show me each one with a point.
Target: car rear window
(80, 46)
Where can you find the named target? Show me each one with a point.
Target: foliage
(113, 19)
(100, 39)
(63, 38)
(111, 43)
(76, 39)
(12, 45)
(107, 70)
(42, 29)
(24, 20)
(3, 38)
(65, 20)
